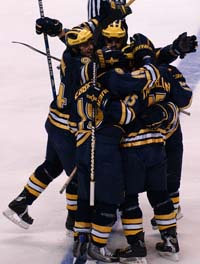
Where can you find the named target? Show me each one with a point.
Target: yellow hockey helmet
(78, 35)
(115, 30)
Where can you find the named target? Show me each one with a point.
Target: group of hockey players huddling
(118, 109)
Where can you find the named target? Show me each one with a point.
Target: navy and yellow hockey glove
(108, 58)
(118, 10)
(143, 51)
(49, 26)
(184, 44)
(160, 115)
(113, 10)
(98, 96)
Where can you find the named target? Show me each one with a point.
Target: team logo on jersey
(85, 60)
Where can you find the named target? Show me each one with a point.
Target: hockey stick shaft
(130, 2)
(46, 42)
(93, 143)
(37, 50)
(70, 177)
(185, 112)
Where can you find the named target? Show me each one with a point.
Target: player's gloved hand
(160, 115)
(49, 26)
(114, 10)
(128, 51)
(110, 58)
(143, 51)
(184, 44)
(98, 96)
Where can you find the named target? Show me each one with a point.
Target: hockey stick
(93, 139)
(70, 177)
(46, 42)
(93, 143)
(37, 50)
(130, 2)
(185, 112)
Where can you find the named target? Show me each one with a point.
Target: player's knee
(48, 170)
(157, 197)
(72, 187)
(130, 206)
(161, 202)
(106, 214)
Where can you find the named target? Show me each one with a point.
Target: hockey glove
(143, 51)
(118, 10)
(98, 96)
(110, 58)
(49, 26)
(160, 115)
(111, 11)
(184, 44)
(128, 51)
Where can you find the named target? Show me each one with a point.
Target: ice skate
(101, 254)
(17, 212)
(80, 246)
(134, 253)
(169, 247)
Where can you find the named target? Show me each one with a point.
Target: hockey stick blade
(169, 256)
(134, 260)
(185, 112)
(35, 49)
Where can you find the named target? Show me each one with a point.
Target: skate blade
(95, 261)
(134, 260)
(170, 256)
(13, 217)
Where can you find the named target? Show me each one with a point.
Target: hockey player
(174, 152)
(93, 6)
(98, 220)
(144, 160)
(61, 142)
(115, 37)
(155, 142)
(174, 143)
(100, 226)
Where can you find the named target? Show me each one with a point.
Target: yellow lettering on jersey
(130, 100)
(154, 98)
(162, 83)
(82, 90)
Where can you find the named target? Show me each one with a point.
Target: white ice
(25, 95)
